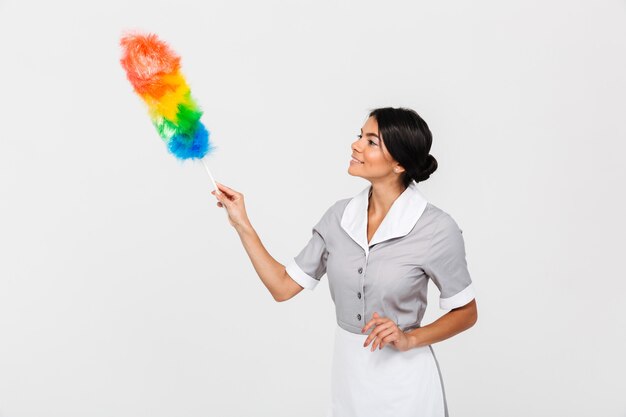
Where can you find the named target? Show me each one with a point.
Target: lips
(354, 159)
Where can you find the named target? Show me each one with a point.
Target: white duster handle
(210, 176)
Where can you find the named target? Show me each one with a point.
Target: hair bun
(430, 166)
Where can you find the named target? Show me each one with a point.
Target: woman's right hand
(233, 202)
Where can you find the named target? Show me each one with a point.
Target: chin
(352, 174)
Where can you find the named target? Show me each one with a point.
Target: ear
(398, 169)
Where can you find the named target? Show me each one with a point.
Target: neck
(382, 196)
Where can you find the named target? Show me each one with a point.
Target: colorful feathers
(153, 69)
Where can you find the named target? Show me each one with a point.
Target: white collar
(399, 220)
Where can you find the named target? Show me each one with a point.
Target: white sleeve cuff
(301, 277)
(457, 300)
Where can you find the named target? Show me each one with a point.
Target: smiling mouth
(356, 160)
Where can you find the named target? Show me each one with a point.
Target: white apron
(384, 383)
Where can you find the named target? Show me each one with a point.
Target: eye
(372, 142)
(359, 136)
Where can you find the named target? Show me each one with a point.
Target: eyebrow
(370, 134)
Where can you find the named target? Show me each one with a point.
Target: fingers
(221, 191)
(394, 337)
(221, 198)
(380, 337)
(376, 319)
(224, 197)
(226, 190)
(229, 193)
(385, 331)
(377, 331)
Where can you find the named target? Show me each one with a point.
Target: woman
(379, 249)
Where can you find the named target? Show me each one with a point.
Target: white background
(124, 291)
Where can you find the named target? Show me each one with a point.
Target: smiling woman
(405, 149)
(379, 249)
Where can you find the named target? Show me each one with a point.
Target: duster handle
(206, 166)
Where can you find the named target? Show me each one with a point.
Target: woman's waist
(356, 330)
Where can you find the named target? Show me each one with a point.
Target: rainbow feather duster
(153, 69)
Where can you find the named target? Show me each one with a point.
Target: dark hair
(408, 140)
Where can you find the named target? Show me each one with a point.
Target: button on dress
(415, 242)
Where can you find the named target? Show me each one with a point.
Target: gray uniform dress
(416, 241)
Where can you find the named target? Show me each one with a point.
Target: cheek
(374, 157)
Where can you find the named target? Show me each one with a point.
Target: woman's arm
(272, 273)
(453, 322)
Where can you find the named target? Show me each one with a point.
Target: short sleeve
(446, 264)
(308, 267)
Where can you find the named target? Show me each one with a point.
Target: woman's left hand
(386, 332)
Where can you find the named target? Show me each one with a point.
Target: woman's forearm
(446, 326)
(271, 272)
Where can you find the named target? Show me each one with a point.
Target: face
(373, 161)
